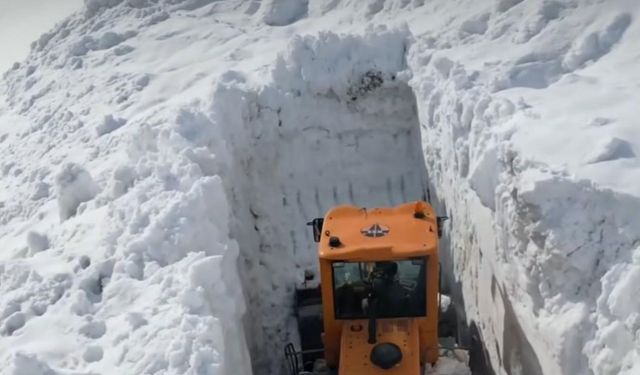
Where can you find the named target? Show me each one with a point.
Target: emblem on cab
(376, 230)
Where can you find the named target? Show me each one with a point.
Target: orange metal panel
(355, 350)
(405, 236)
(397, 234)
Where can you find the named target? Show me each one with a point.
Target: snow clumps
(75, 186)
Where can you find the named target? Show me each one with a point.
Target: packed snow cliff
(159, 158)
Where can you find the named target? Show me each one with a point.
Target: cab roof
(404, 231)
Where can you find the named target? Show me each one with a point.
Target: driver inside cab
(390, 295)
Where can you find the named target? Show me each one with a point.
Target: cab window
(400, 288)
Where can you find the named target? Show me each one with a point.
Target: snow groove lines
(301, 146)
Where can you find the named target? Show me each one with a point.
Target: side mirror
(316, 225)
(440, 220)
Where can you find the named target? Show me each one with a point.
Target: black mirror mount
(316, 225)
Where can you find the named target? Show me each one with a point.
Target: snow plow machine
(378, 307)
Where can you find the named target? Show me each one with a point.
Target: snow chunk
(123, 50)
(28, 364)
(484, 178)
(8, 309)
(612, 149)
(136, 320)
(112, 39)
(505, 5)
(109, 124)
(105, 41)
(122, 180)
(80, 304)
(13, 323)
(93, 353)
(550, 9)
(81, 47)
(93, 329)
(41, 191)
(283, 12)
(109, 39)
(75, 186)
(597, 44)
(475, 25)
(443, 65)
(618, 301)
(142, 82)
(37, 242)
(84, 262)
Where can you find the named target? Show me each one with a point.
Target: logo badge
(376, 230)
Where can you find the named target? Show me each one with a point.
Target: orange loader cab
(376, 309)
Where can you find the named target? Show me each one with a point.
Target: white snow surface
(159, 159)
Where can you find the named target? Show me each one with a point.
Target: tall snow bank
(150, 284)
(140, 275)
(528, 143)
(304, 141)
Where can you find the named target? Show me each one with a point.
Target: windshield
(400, 288)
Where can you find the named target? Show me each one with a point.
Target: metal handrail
(293, 362)
(291, 357)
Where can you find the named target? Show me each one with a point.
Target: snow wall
(330, 128)
(153, 206)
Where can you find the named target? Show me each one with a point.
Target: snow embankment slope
(135, 175)
(116, 254)
(159, 161)
(536, 162)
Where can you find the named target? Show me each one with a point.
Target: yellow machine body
(352, 234)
